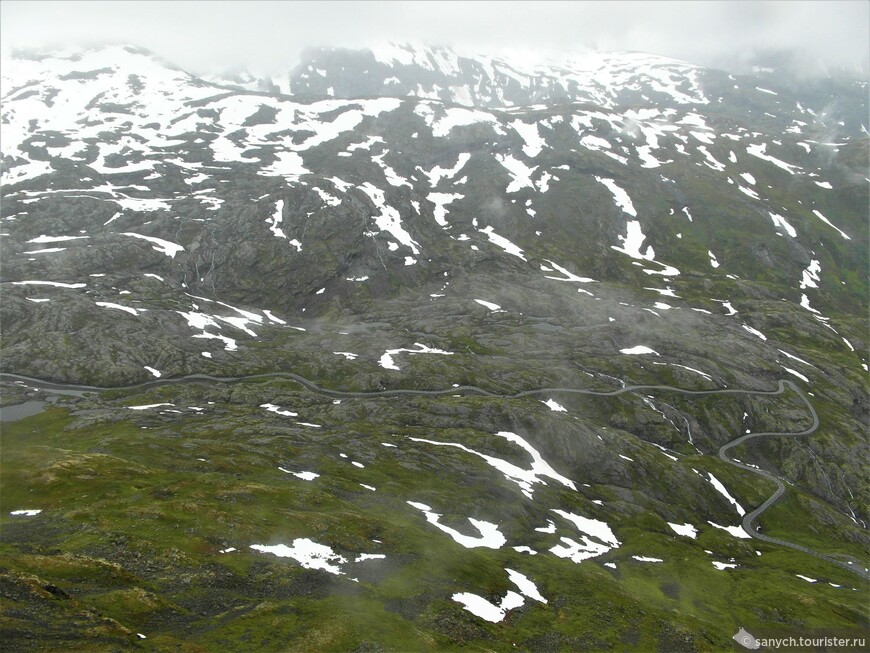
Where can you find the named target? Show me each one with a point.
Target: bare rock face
(395, 267)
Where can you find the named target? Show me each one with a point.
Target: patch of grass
(803, 520)
(133, 523)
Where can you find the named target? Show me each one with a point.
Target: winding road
(847, 563)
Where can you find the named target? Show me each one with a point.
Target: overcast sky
(266, 37)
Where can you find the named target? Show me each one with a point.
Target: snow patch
(592, 527)
(736, 531)
(305, 476)
(159, 245)
(272, 408)
(754, 332)
(569, 276)
(489, 305)
(632, 242)
(489, 537)
(795, 373)
(525, 585)
(828, 222)
(637, 350)
(480, 607)
(502, 242)
(721, 566)
(721, 489)
(759, 150)
(620, 197)
(555, 407)
(810, 277)
(307, 553)
(126, 309)
(686, 530)
(389, 219)
(521, 174)
(524, 478)
(531, 137)
(386, 361)
(780, 222)
(55, 284)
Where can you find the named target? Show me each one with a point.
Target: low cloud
(267, 37)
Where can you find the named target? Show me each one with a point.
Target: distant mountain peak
(507, 79)
(418, 300)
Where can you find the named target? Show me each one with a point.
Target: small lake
(20, 411)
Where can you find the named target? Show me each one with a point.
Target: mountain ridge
(642, 225)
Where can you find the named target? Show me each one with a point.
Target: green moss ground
(133, 524)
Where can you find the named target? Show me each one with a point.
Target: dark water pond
(20, 411)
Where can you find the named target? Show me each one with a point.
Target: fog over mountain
(266, 37)
(315, 339)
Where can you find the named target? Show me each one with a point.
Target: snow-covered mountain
(409, 218)
(149, 147)
(604, 79)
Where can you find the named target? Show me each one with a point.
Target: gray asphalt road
(749, 520)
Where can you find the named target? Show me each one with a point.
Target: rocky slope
(412, 218)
